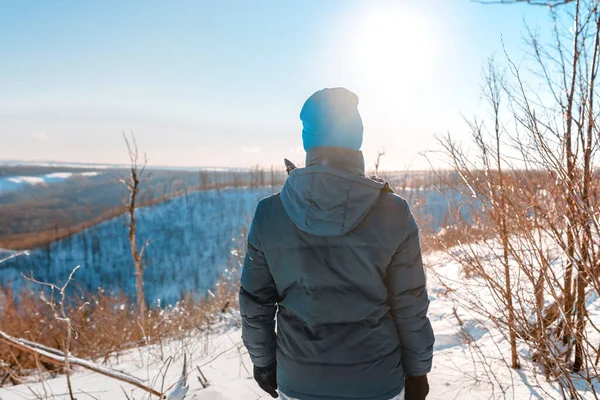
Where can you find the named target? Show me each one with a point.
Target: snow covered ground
(460, 371)
(13, 183)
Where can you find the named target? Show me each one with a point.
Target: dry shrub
(452, 219)
(105, 324)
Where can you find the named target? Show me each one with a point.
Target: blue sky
(221, 83)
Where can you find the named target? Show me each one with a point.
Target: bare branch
(546, 3)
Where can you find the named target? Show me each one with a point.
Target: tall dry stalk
(137, 176)
(380, 154)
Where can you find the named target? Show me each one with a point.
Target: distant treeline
(40, 214)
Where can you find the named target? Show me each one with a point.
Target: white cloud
(252, 149)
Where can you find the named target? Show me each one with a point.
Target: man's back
(336, 257)
(328, 241)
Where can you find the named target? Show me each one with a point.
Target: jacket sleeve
(258, 303)
(405, 282)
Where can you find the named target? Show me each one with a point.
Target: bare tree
(541, 195)
(493, 89)
(137, 176)
(380, 154)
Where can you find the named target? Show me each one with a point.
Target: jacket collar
(337, 157)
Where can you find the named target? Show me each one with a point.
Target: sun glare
(392, 51)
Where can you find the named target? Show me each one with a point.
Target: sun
(392, 49)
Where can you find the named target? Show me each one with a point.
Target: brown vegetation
(536, 178)
(104, 325)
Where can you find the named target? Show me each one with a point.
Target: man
(336, 257)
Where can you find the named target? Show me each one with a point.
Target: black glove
(266, 377)
(416, 387)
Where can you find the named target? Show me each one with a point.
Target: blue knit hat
(330, 118)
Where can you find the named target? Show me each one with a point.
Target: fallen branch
(58, 357)
(202, 378)
(181, 388)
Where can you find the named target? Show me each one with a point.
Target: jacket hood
(331, 195)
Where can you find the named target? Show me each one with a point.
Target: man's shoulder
(269, 200)
(394, 202)
(268, 204)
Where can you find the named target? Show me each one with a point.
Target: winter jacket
(336, 259)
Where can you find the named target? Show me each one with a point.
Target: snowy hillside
(467, 360)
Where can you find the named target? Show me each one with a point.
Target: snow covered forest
(190, 243)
